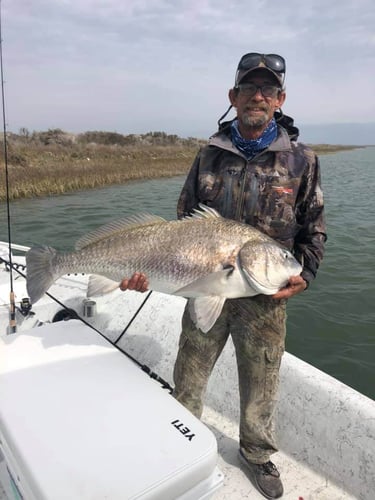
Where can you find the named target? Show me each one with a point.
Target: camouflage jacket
(278, 192)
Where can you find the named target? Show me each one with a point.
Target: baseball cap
(273, 63)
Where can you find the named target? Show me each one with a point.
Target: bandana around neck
(250, 147)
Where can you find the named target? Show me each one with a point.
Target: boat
(87, 412)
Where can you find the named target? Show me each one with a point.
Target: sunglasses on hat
(253, 60)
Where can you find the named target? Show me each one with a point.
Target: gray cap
(253, 61)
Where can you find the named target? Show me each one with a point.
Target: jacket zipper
(254, 191)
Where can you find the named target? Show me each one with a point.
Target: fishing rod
(12, 304)
(11, 266)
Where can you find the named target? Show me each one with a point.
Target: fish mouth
(268, 287)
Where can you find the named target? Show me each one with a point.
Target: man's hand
(137, 282)
(296, 285)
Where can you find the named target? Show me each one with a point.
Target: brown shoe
(265, 477)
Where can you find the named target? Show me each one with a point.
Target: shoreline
(37, 170)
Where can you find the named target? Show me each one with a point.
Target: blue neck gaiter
(250, 147)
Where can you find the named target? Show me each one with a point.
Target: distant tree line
(60, 137)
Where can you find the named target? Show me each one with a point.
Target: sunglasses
(252, 60)
(250, 89)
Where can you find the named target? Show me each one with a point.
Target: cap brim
(242, 74)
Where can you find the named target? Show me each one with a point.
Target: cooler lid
(81, 420)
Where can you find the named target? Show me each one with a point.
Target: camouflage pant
(257, 327)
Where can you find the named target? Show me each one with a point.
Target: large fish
(204, 257)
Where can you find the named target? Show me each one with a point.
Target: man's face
(256, 111)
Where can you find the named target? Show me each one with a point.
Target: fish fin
(40, 273)
(204, 311)
(115, 227)
(204, 286)
(203, 212)
(100, 285)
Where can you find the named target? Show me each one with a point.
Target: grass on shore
(42, 170)
(55, 170)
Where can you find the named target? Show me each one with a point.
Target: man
(252, 171)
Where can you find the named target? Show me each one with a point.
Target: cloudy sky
(135, 66)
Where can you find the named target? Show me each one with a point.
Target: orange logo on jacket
(282, 190)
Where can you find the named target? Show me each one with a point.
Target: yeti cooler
(79, 420)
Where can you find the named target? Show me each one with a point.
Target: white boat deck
(314, 414)
(300, 482)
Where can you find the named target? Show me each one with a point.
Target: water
(331, 326)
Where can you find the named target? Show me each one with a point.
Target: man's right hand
(137, 282)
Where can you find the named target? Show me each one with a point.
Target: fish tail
(40, 271)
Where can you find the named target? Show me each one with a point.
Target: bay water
(331, 325)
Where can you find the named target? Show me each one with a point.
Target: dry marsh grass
(54, 162)
(41, 173)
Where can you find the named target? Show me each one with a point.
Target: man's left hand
(296, 285)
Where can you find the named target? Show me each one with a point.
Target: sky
(135, 66)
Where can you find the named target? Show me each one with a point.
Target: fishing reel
(25, 307)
